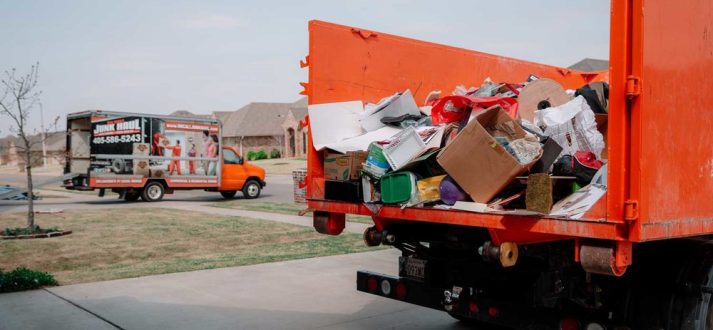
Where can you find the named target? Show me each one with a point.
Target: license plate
(413, 268)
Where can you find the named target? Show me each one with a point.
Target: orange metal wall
(672, 119)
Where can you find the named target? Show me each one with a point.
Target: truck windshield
(229, 157)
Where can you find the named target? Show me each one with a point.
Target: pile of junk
(530, 148)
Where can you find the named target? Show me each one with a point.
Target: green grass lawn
(130, 242)
(283, 208)
(281, 165)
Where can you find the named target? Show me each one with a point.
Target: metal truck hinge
(631, 210)
(633, 86)
(304, 63)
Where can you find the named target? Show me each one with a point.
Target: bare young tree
(17, 100)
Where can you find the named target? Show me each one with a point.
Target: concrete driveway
(316, 293)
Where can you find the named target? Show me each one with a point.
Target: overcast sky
(203, 56)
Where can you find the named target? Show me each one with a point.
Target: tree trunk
(30, 191)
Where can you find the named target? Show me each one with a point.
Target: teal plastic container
(399, 188)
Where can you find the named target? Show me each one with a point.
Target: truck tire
(132, 196)
(228, 194)
(251, 189)
(692, 303)
(118, 166)
(153, 192)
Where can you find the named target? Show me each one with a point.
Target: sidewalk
(317, 293)
(351, 227)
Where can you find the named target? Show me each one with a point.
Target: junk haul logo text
(116, 127)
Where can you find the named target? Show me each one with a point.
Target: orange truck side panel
(672, 118)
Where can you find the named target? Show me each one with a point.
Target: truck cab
(240, 175)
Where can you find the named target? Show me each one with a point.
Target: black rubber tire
(228, 194)
(251, 189)
(153, 192)
(118, 166)
(132, 196)
(476, 324)
(692, 305)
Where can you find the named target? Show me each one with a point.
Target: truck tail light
(473, 308)
(400, 291)
(371, 284)
(493, 311)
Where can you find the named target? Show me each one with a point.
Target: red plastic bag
(453, 108)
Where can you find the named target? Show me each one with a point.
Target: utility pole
(44, 138)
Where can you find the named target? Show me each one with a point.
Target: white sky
(203, 56)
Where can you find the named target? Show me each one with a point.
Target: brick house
(267, 126)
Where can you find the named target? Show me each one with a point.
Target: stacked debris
(528, 148)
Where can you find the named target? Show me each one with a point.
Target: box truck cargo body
(142, 155)
(641, 257)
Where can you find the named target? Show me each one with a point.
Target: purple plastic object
(450, 192)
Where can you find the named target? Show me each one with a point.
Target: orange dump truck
(146, 156)
(640, 257)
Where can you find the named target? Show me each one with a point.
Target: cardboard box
(158, 172)
(480, 165)
(141, 149)
(343, 167)
(141, 167)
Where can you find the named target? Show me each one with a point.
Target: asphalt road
(278, 189)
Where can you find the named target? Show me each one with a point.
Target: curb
(46, 235)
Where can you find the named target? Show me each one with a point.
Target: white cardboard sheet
(577, 204)
(331, 123)
(361, 142)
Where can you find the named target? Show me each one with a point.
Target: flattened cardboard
(539, 94)
(393, 106)
(333, 122)
(343, 167)
(480, 165)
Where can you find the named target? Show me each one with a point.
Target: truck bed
(348, 63)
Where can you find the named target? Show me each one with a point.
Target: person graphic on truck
(192, 163)
(175, 163)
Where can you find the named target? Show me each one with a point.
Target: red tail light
(493, 311)
(473, 308)
(400, 291)
(371, 284)
(569, 324)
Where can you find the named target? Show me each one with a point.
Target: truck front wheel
(132, 196)
(228, 194)
(251, 189)
(153, 192)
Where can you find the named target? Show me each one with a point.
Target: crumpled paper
(572, 126)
